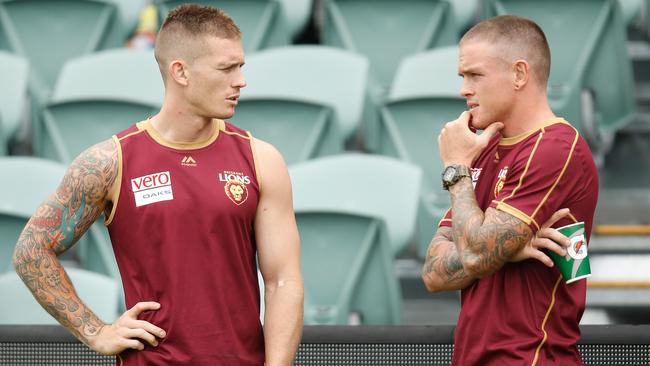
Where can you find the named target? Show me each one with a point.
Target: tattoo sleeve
(57, 224)
(485, 241)
(443, 269)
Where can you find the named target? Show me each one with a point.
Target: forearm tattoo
(443, 260)
(485, 240)
(57, 224)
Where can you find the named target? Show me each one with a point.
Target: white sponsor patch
(152, 188)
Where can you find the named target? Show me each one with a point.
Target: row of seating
(309, 101)
(355, 213)
(591, 80)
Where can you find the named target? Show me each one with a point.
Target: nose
(465, 89)
(239, 81)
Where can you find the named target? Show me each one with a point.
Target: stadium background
(353, 93)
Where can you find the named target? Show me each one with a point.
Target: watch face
(449, 173)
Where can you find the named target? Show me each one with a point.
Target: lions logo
(236, 191)
(500, 182)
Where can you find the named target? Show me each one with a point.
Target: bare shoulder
(273, 169)
(91, 174)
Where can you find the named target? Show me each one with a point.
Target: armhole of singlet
(116, 192)
(257, 169)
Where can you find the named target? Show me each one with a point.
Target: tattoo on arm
(485, 240)
(57, 224)
(443, 262)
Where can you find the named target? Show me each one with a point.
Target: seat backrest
(48, 33)
(347, 270)
(357, 184)
(263, 22)
(98, 292)
(385, 31)
(97, 96)
(591, 82)
(424, 96)
(14, 73)
(298, 14)
(314, 74)
(299, 130)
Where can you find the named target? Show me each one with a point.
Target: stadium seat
(347, 269)
(358, 184)
(98, 292)
(424, 96)
(263, 22)
(14, 73)
(31, 181)
(386, 31)
(306, 100)
(48, 33)
(632, 11)
(97, 96)
(467, 12)
(298, 15)
(591, 82)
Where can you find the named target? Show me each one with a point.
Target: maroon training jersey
(524, 314)
(182, 232)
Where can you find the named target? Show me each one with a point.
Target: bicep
(276, 233)
(79, 200)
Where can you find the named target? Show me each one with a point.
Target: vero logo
(152, 188)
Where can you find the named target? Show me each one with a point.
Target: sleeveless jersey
(524, 314)
(182, 233)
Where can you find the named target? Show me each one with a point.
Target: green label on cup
(575, 264)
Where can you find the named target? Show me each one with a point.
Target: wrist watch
(452, 174)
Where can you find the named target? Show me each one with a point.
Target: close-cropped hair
(197, 20)
(521, 37)
(185, 28)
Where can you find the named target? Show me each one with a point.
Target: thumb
(493, 128)
(490, 131)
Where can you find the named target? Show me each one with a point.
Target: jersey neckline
(145, 125)
(508, 141)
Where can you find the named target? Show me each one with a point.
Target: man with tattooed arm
(527, 172)
(190, 201)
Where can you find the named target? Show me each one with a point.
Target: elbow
(432, 284)
(16, 259)
(477, 268)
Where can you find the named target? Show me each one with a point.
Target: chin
(223, 114)
(479, 123)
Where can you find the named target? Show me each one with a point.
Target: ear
(521, 74)
(179, 72)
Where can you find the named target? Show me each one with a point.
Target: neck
(529, 113)
(179, 125)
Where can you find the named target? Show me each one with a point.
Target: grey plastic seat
(263, 22)
(591, 83)
(298, 14)
(424, 96)
(14, 73)
(358, 184)
(385, 31)
(306, 100)
(48, 33)
(347, 270)
(355, 213)
(97, 96)
(99, 292)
